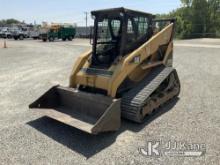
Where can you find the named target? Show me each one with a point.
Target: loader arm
(142, 53)
(78, 65)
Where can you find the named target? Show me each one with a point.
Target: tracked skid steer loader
(127, 74)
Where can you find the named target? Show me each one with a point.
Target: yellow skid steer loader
(128, 73)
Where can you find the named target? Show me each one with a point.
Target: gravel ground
(29, 68)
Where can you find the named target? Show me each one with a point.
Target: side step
(88, 112)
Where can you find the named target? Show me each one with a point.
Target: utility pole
(86, 13)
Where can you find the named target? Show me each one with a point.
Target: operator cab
(117, 32)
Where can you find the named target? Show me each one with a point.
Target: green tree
(199, 17)
(9, 22)
(186, 3)
(213, 23)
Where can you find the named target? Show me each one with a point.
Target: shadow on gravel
(86, 144)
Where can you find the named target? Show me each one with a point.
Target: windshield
(108, 40)
(108, 30)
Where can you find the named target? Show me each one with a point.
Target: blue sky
(69, 11)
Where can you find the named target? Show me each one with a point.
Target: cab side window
(142, 26)
(137, 29)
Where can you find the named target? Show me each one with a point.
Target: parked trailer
(83, 32)
(35, 34)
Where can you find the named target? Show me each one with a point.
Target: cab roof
(120, 10)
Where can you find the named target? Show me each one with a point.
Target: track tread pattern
(134, 100)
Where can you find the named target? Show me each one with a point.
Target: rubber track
(135, 99)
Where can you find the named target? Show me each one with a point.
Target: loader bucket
(88, 112)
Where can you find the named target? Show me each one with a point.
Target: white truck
(5, 33)
(20, 33)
